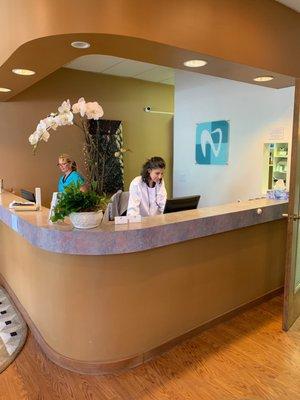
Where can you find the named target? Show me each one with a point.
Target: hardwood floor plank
(246, 358)
(12, 385)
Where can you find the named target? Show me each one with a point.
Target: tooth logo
(207, 139)
(212, 142)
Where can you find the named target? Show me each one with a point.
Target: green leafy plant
(74, 200)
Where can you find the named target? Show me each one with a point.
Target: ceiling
(251, 38)
(294, 4)
(123, 67)
(111, 65)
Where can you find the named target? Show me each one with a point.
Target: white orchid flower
(45, 136)
(57, 120)
(51, 122)
(47, 121)
(33, 138)
(65, 116)
(65, 119)
(94, 110)
(54, 125)
(41, 127)
(79, 107)
(65, 107)
(75, 108)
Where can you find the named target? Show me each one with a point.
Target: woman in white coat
(147, 192)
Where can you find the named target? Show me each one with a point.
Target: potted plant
(85, 209)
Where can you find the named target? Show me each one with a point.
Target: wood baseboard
(101, 368)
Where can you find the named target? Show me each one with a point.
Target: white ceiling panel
(94, 63)
(157, 74)
(294, 4)
(129, 68)
(170, 81)
(121, 67)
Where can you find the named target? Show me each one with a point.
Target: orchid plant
(65, 116)
(79, 115)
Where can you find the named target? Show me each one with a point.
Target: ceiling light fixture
(21, 71)
(263, 78)
(80, 45)
(195, 63)
(4, 90)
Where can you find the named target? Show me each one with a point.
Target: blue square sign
(212, 142)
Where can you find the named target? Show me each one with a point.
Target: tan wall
(122, 98)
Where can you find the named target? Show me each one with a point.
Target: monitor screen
(181, 204)
(27, 195)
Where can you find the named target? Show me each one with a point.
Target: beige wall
(122, 98)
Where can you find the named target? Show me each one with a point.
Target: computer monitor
(181, 204)
(27, 195)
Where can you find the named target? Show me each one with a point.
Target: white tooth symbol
(207, 139)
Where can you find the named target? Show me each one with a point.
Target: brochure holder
(54, 201)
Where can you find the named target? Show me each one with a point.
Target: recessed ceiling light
(195, 63)
(80, 45)
(4, 90)
(263, 78)
(21, 71)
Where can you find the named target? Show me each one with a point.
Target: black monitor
(27, 195)
(181, 204)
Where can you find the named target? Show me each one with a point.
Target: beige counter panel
(104, 309)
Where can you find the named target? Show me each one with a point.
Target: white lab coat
(144, 200)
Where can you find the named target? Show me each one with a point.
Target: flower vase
(86, 220)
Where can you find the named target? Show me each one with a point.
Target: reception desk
(110, 298)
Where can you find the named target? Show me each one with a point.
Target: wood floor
(246, 358)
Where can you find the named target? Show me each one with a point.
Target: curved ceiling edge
(34, 55)
(263, 35)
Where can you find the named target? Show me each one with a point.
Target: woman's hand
(84, 187)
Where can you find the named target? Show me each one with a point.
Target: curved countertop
(157, 231)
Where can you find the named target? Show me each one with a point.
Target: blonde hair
(68, 159)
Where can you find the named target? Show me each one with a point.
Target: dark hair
(151, 163)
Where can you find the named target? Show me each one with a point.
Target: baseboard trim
(102, 368)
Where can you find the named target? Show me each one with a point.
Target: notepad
(23, 206)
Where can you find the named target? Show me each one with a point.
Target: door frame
(291, 305)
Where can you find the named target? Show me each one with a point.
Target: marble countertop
(157, 231)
